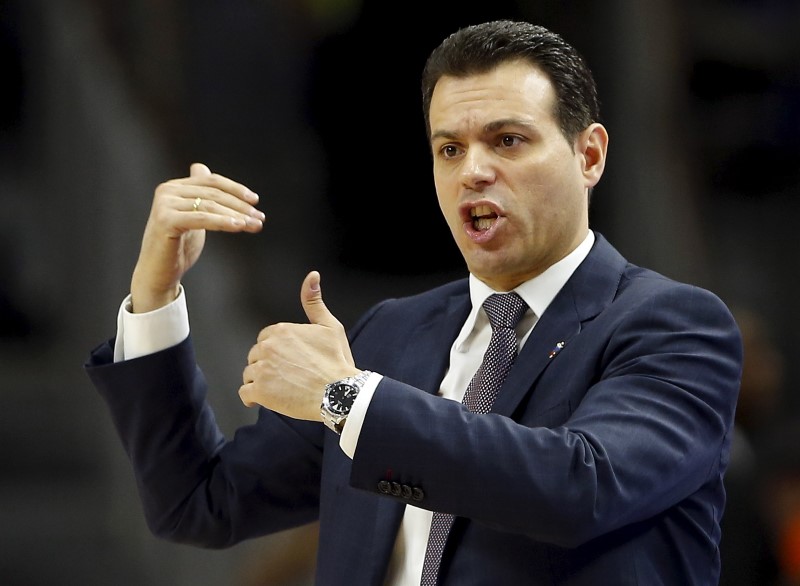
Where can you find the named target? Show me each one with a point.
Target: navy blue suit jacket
(601, 463)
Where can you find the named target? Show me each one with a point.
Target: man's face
(512, 189)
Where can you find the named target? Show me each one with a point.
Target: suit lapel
(426, 359)
(590, 289)
(554, 330)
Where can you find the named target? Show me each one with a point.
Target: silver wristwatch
(338, 400)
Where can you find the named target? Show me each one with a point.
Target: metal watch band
(333, 421)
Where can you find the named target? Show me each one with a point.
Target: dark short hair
(480, 48)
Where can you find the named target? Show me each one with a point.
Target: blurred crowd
(761, 526)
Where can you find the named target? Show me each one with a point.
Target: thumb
(198, 169)
(313, 305)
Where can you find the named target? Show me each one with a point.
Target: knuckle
(280, 328)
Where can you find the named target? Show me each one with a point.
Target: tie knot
(504, 309)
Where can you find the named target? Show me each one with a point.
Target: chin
(487, 269)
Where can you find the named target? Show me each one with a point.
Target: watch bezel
(334, 395)
(334, 414)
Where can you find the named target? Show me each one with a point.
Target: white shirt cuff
(140, 334)
(348, 441)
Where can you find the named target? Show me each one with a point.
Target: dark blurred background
(315, 104)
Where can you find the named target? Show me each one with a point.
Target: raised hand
(182, 211)
(290, 364)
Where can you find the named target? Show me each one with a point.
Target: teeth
(481, 211)
(482, 217)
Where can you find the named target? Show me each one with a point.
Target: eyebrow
(492, 126)
(505, 123)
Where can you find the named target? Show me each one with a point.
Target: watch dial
(341, 397)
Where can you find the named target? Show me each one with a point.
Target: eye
(449, 151)
(509, 140)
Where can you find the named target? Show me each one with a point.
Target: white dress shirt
(140, 334)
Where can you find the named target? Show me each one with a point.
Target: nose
(476, 168)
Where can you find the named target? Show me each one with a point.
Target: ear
(592, 146)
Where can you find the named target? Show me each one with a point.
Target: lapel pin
(556, 349)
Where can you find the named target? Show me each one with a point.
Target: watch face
(341, 397)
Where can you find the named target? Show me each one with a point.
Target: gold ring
(196, 205)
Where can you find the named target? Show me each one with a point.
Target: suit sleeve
(196, 487)
(645, 411)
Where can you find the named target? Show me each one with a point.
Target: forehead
(513, 90)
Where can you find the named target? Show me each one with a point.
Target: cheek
(451, 216)
(447, 198)
(546, 213)
(559, 192)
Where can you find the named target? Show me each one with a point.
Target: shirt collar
(537, 292)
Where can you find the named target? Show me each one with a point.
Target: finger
(212, 202)
(258, 351)
(200, 174)
(198, 170)
(198, 213)
(208, 204)
(311, 299)
(245, 394)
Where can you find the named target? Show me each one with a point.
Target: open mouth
(482, 217)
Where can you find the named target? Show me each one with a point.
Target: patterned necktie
(504, 311)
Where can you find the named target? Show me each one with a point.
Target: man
(600, 461)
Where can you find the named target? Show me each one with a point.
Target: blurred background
(315, 104)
